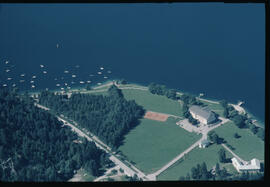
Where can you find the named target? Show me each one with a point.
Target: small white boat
(47, 89)
(81, 82)
(7, 70)
(105, 77)
(9, 78)
(4, 85)
(102, 68)
(13, 85)
(7, 62)
(44, 72)
(66, 71)
(42, 66)
(22, 80)
(99, 72)
(57, 45)
(32, 81)
(57, 84)
(66, 84)
(99, 83)
(33, 86)
(22, 75)
(34, 77)
(73, 76)
(62, 88)
(91, 75)
(88, 81)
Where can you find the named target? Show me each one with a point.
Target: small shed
(204, 143)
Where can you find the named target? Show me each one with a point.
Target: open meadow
(198, 155)
(247, 147)
(152, 144)
(154, 102)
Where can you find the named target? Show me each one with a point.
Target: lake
(212, 48)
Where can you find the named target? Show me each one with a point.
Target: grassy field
(153, 102)
(208, 155)
(152, 143)
(247, 147)
(217, 108)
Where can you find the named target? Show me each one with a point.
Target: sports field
(152, 144)
(198, 155)
(154, 102)
(247, 147)
(156, 116)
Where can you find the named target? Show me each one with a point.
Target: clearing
(157, 142)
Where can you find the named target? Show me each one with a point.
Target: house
(204, 143)
(203, 115)
(252, 166)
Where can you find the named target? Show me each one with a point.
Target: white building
(252, 166)
(204, 143)
(203, 115)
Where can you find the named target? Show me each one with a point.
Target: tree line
(35, 146)
(108, 117)
(162, 90)
(241, 121)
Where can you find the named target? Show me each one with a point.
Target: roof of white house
(206, 113)
(253, 165)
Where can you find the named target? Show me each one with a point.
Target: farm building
(203, 115)
(253, 165)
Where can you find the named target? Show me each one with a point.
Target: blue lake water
(212, 48)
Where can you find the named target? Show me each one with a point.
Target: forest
(35, 146)
(108, 117)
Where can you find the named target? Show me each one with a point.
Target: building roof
(253, 165)
(206, 113)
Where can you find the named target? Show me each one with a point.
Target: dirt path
(235, 155)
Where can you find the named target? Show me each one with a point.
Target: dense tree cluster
(121, 81)
(162, 90)
(213, 137)
(35, 146)
(109, 117)
(241, 121)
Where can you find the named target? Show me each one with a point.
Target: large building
(203, 115)
(253, 165)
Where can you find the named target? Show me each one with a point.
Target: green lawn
(152, 143)
(198, 155)
(247, 147)
(154, 102)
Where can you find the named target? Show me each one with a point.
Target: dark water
(214, 48)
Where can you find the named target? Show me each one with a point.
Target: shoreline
(256, 121)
